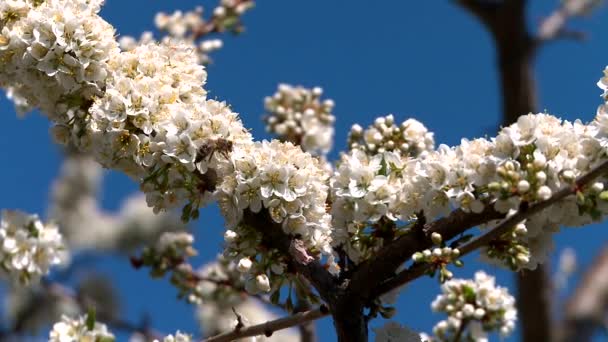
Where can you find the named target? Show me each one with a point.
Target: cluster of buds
(439, 258)
(524, 180)
(298, 115)
(243, 246)
(28, 247)
(593, 200)
(193, 29)
(227, 16)
(511, 249)
(410, 137)
(474, 308)
(169, 255)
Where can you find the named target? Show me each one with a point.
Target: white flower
(29, 247)
(244, 265)
(262, 282)
(410, 138)
(179, 337)
(78, 330)
(283, 181)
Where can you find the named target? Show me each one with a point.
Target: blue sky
(424, 59)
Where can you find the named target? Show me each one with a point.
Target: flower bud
(541, 177)
(436, 238)
(544, 193)
(230, 236)
(262, 282)
(244, 265)
(523, 186)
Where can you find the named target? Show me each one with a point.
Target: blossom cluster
(142, 111)
(150, 118)
(221, 289)
(155, 124)
(476, 306)
(190, 28)
(410, 137)
(28, 246)
(439, 258)
(526, 162)
(54, 54)
(83, 328)
(298, 115)
(290, 185)
(169, 252)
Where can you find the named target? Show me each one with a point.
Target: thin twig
(268, 328)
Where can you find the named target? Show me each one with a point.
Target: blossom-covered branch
(192, 29)
(503, 227)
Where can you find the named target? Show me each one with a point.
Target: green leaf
(186, 212)
(194, 214)
(90, 322)
(469, 293)
(275, 297)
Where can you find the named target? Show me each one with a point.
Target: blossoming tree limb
(343, 237)
(516, 48)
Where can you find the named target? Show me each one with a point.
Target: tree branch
(586, 309)
(554, 27)
(418, 270)
(270, 327)
(273, 236)
(372, 273)
(307, 330)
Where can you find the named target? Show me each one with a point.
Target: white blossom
(479, 303)
(78, 330)
(29, 247)
(287, 184)
(527, 161)
(410, 137)
(297, 114)
(178, 337)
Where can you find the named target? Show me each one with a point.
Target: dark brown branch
(586, 309)
(344, 305)
(418, 270)
(270, 327)
(273, 236)
(374, 272)
(307, 330)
